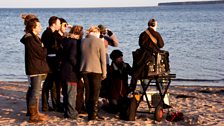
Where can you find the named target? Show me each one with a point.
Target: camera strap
(154, 40)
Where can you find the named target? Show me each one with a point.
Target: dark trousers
(80, 107)
(69, 90)
(92, 82)
(105, 86)
(51, 85)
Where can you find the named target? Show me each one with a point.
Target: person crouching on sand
(35, 65)
(118, 80)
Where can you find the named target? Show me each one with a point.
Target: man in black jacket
(50, 42)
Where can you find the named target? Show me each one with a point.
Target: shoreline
(200, 105)
(173, 83)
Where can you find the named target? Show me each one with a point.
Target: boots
(40, 114)
(27, 103)
(93, 115)
(35, 116)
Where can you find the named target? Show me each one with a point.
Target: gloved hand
(109, 32)
(131, 89)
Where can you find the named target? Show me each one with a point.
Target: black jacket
(69, 67)
(119, 80)
(50, 41)
(35, 55)
(145, 53)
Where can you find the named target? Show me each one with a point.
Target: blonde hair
(27, 17)
(93, 29)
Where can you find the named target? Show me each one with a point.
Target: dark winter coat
(145, 41)
(53, 45)
(145, 53)
(69, 67)
(119, 80)
(50, 41)
(35, 55)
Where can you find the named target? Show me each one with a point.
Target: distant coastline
(192, 3)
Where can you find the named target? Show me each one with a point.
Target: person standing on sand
(69, 73)
(26, 18)
(59, 36)
(93, 69)
(50, 42)
(35, 65)
(109, 39)
(78, 35)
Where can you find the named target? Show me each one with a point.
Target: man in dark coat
(150, 42)
(50, 42)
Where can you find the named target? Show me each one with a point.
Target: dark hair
(31, 24)
(52, 20)
(77, 29)
(152, 22)
(115, 54)
(62, 20)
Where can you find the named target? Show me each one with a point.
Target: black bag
(128, 109)
(140, 58)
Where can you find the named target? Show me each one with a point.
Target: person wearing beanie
(118, 80)
(109, 39)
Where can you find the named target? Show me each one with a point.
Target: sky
(81, 3)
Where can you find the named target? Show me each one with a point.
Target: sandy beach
(199, 105)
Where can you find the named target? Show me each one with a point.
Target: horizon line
(76, 7)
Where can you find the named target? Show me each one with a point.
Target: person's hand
(103, 77)
(109, 32)
(69, 26)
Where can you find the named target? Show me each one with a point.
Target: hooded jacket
(35, 55)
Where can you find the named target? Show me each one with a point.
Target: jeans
(69, 90)
(33, 92)
(92, 82)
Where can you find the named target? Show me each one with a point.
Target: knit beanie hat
(115, 54)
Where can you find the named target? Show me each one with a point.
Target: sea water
(193, 35)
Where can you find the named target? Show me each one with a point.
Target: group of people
(77, 66)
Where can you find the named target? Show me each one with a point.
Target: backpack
(128, 108)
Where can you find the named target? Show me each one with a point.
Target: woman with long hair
(35, 65)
